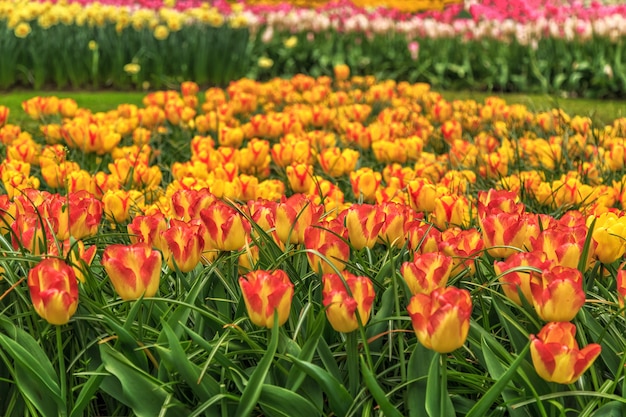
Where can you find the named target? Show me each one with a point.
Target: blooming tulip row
(372, 204)
(120, 45)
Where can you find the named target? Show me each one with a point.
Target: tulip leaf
(339, 398)
(611, 409)
(388, 409)
(137, 389)
(380, 321)
(502, 380)
(438, 402)
(285, 402)
(252, 392)
(417, 376)
(176, 360)
(34, 375)
(517, 334)
(296, 376)
(87, 392)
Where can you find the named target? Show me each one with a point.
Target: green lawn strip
(602, 111)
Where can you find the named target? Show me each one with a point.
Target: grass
(602, 111)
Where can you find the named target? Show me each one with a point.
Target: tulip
(365, 182)
(451, 210)
(187, 204)
(293, 215)
(556, 356)
(464, 246)
(422, 237)
(300, 177)
(342, 306)
(609, 233)
(515, 281)
(557, 293)
(147, 229)
(76, 255)
(53, 290)
(341, 71)
(397, 216)
(329, 239)
(363, 222)
(503, 232)
(134, 270)
(227, 228)
(266, 292)
(182, 245)
(441, 319)
(563, 245)
(427, 272)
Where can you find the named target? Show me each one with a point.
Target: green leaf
(296, 375)
(87, 392)
(176, 360)
(35, 377)
(418, 372)
(611, 409)
(339, 398)
(252, 392)
(436, 395)
(286, 402)
(139, 390)
(388, 409)
(499, 387)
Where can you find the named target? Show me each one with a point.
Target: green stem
(400, 338)
(62, 376)
(444, 382)
(353, 363)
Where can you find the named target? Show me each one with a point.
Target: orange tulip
(441, 319)
(363, 222)
(329, 239)
(515, 281)
(182, 244)
(422, 237)
(558, 293)
(341, 306)
(556, 355)
(427, 272)
(134, 270)
(76, 255)
(147, 229)
(53, 290)
(293, 215)
(227, 228)
(266, 292)
(187, 204)
(503, 232)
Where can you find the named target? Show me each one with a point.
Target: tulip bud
(441, 319)
(134, 270)
(53, 290)
(556, 356)
(266, 292)
(558, 293)
(341, 306)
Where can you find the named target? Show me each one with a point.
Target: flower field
(336, 243)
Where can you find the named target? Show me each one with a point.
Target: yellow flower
(93, 45)
(22, 30)
(132, 68)
(265, 62)
(290, 42)
(161, 32)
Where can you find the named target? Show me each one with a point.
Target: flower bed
(491, 46)
(311, 246)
